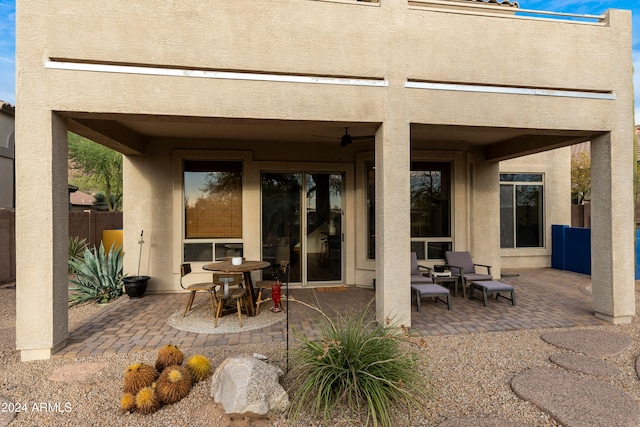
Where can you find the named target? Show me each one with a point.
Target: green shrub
(98, 276)
(76, 250)
(358, 365)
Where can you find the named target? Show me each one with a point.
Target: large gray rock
(246, 385)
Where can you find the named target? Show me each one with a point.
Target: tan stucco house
(340, 135)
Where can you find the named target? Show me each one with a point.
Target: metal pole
(140, 255)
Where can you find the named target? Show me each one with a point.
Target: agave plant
(76, 250)
(98, 276)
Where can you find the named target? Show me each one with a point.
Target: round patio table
(246, 268)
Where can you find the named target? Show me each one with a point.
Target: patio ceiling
(129, 133)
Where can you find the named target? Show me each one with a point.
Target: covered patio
(547, 298)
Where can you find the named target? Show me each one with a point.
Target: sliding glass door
(302, 223)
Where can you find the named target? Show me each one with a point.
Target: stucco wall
(556, 167)
(389, 42)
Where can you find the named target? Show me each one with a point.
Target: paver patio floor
(546, 298)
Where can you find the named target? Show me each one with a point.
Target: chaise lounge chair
(462, 266)
(423, 286)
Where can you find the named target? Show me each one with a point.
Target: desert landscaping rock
(481, 422)
(592, 342)
(6, 416)
(575, 401)
(246, 385)
(77, 372)
(585, 364)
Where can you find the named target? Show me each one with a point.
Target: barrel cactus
(147, 400)
(169, 355)
(199, 366)
(137, 376)
(128, 402)
(174, 384)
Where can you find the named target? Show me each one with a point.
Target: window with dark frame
(212, 199)
(430, 184)
(521, 210)
(212, 193)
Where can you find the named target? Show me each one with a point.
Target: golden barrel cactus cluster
(146, 388)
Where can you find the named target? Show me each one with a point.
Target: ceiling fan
(347, 139)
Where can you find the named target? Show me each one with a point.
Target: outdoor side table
(445, 279)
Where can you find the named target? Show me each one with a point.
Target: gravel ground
(469, 376)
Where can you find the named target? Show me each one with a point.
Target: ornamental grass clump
(360, 367)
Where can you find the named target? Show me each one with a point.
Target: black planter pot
(135, 286)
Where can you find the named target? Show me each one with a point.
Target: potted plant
(136, 286)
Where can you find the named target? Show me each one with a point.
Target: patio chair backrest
(460, 259)
(184, 270)
(414, 264)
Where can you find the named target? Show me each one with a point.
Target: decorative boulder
(246, 385)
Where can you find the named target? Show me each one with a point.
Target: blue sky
(587, 7)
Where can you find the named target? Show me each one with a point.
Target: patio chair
(193, 288)
(281, 273)
(417, 270)
(231, 288)
(423, 286)
(462, 266)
